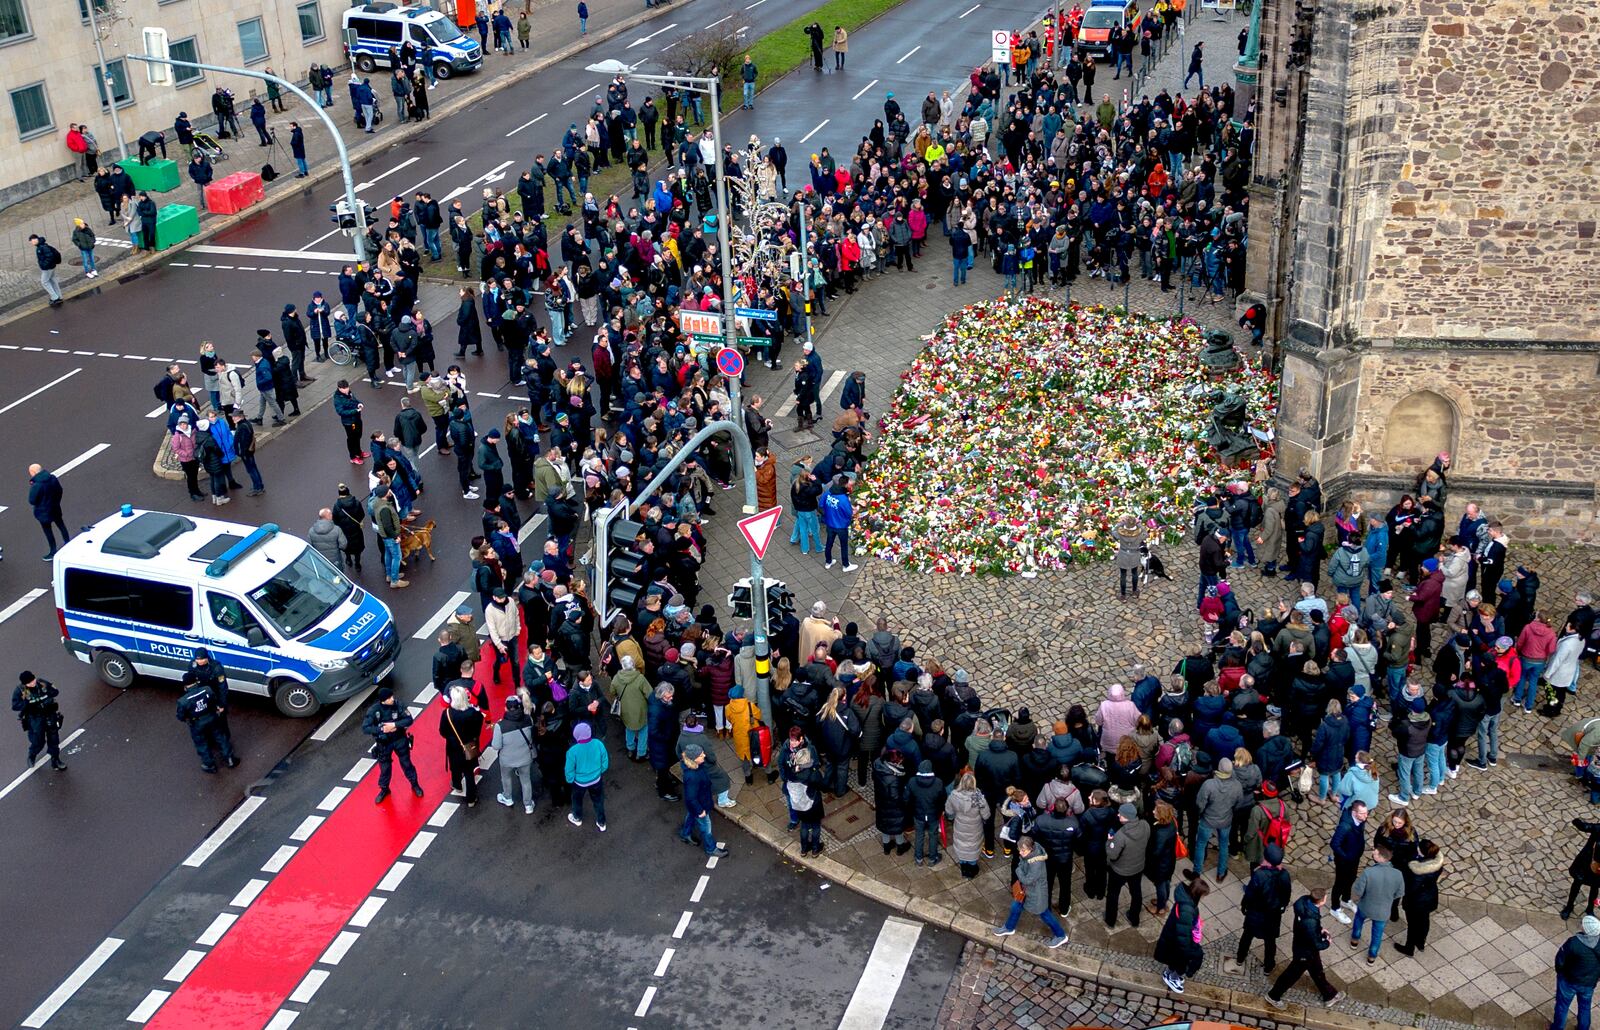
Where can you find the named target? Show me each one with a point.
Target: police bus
(139, 591)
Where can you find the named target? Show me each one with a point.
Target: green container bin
(174, 224)
(157, 176)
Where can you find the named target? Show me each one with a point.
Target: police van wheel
(295, 700)
(114, 668)
(366, 64)
(443, 71)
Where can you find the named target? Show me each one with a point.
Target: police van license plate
(383, 673)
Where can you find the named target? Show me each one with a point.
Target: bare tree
(717, 51)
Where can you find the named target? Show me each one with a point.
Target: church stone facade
(1423, 231)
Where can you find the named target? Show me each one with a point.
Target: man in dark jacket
(927, 804)
(388, 723)
(1308, 943)
(1468, 714)
(1058, 831)
(1213, 562)
(44, 495)
(996, 769)
(1348, 843)
(1125, 858)
(1266, 896)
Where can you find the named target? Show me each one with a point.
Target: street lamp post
(712, 87)
(105, 75)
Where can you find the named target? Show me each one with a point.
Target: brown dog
(414, 539)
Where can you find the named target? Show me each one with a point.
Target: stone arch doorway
(1421, 426)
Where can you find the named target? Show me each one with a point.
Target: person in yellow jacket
(743, 715)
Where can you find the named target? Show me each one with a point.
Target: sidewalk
(555, 31)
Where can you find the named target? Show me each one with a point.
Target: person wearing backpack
(48, 258)
(1267, 824)
(1266, 896)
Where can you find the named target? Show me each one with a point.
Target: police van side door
(238, 640)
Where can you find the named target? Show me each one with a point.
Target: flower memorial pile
(1027, 428)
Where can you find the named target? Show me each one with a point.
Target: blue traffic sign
(730, 362)
(759, 314)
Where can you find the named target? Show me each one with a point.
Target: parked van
(139, 591)
(372, 30)
(1094, 32)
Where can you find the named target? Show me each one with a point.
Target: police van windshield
(302, 594)
(442, 30)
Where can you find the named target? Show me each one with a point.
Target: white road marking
(340, 946)
(699, 890)
(331, 801)
(833, 381)
(334, 721)
(909, 53)
(753, 6)
(426, 695)
(148, 1007)
(528, 527)
(58, 350)
(524, 125)
(80, 976)
(968, 11)
(435, 175)
(84, 353)
(313, 243)
(886, 967)
(683, 924)
(813, 132)
(184, 966)
(307, 827)
(653, 35)
(711, 861)
(279, 859)
(666, 957)
(419, 844)
(36, 350)
(426, 630)
(103, 354)
(395, 876)
(863, 89)
(367, 912)
(199, 265)
(22, 602)
(493, 396)
(427, 450)
(136, 357)
(46, 386)
(40, 763)
(442, 814)
(305, 255)
(282, 1019)
(218, 927)
(308, 987)
(248, 893)
(586, 92)
(719, 21)
(178, 264)
(160, 409)
(80, 459)
(212, 844)
(408, 162)
(644, 1002)
(670, 45)
(359, 769)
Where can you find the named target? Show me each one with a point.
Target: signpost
(759, 528)
(1000, 42)
(730, 362)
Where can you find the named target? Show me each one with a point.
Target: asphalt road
(133, 775)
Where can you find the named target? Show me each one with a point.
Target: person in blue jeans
(837, 515)
(747, 75)
(960, 254)
(583, 18)
(697, 802)
(804, 493)
(587, 762)
(1577, 971)
(1214, 807)
(1032, 876)
(1376, 893)
(1411, 741)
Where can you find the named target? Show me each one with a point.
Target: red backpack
(1277, 829)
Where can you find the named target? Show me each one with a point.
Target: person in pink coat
(1118, 716)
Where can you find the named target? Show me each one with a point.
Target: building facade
(1425, 176)
(50, 71)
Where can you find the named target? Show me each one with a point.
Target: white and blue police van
(140, 591)
(372, 30)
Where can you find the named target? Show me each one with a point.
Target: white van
(140, 591)
(372, 30)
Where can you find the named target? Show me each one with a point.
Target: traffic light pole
(333, 130)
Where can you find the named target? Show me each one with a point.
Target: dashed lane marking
(149, 1006)
(683, 924)
(220, 835)
(666, 958)
(184, 966)
(80, 976)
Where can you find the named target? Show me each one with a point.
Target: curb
(1107, 974)
(216, 224)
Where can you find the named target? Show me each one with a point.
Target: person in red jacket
(1427, 601)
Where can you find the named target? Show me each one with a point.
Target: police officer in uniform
(34, 701)
(389, 724)
(209, 671)
(199, 706)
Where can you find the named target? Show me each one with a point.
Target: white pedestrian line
(644, 1002)
(36, 350)
(524, 125)
(427, 450)
(331, 801)
(178, 264)
(39, 764)
(199, 265)
(425, 696)
(22, 602)
(279, 859)
(711, 861)
(103, 354)
(528, 528)
(228, 828)
(359, 770)
(395, 876)
(307, 827)
(413, 189)
(909, 53)
(446, 610)
(218, 927)
(80, 459)
(80, 976)
(184, 966)
(54, 382)
(339, 948)
(308, 246)
(863, 89)
(719, 21)
(334, 721)
(753, 6)
(148, 1007)
(813, 132)
(968, 11)
(442, 814)
(419, 844)
(585, 93)
(657, 32)
(283, 1019)
(308, 987)
(367, 912)
(699, 890)
(248, 893)
(833, 380)
(84, 353)
(136, 357)
(683, 924)
(58, 350)
(666, 957)
(407, 163)
(307, 255)
(670, 45)
(157, 412)
(251, 268)
(886, 967)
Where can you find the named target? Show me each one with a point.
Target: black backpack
(49, 257)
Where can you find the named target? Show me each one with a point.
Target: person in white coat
(1562, 670)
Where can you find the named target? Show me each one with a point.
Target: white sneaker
(1430, 790)
(574, 820)
(1001, 931)
(1339, 915)
(602, 827)
(1454, 773)
(1396, 799)
(730, 803)
(470, 495)
(851, 567)
(504, 800)
(829, 564)
(527, 809)
(1276, 1003)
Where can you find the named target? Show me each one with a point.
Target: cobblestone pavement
(992, 990)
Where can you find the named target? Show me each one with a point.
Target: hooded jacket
(1308, 939)
(1127, 848)
(927, 793)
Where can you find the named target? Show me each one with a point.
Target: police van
(1094, 32)
(372, 30)
(140, 591)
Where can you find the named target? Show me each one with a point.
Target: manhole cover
(1536, 763)
(847, 817)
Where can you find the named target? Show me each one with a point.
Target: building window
(117, 72)
(32, 109)
(252, 41)
(13, 21)
(185, 50)
(310, 21)
(101, 8)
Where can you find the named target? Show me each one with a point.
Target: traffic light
(346, 219)
(780, 602)
(626, 573)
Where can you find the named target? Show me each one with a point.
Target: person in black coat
(1307, 944)
(1161, 856)
(1312, 551)
(1058, 830)
(662, 730)
(1266, 896)
(1422, 897)
(1583, 868)
(893, 803)
(1176, 948)
(1096, 825)
(927, 796)
(996, 769)
(284, 385)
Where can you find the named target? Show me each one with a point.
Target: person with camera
(389, 724)
(34, 701)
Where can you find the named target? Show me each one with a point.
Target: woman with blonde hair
(968, 813)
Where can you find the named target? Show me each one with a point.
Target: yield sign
(758, 529)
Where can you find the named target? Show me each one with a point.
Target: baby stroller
(207, 144)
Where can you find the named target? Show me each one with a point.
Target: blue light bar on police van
(219, 568)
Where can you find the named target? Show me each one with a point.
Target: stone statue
(1227, 434)
(1219, 357)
